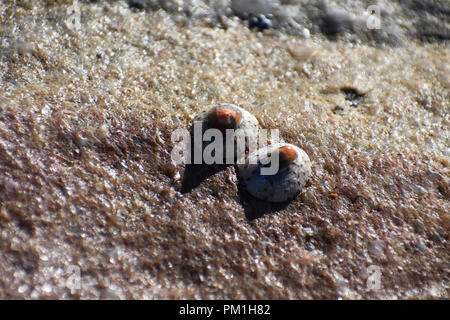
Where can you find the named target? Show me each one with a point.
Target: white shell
(282, 186)
(248, 126)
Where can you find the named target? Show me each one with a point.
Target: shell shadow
(195, 174)
(255, 208)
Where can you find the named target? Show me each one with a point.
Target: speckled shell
(282, 186)
(248, 124)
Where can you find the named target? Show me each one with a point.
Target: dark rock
(261, 22)
(253, 22)
(335, 22)
(352, 94)
(138, 4)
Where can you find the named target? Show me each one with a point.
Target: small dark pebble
(138, 4)
(261, 22)
(253, 22)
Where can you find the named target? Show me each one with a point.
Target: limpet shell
(293, 172)
(228, 116)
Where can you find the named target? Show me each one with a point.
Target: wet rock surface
(87, 183)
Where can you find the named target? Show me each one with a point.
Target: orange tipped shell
(293, 172)
(287, 155)
(225, 118)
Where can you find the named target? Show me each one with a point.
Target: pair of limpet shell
(294, 165)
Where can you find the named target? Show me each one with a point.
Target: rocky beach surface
(92, 205)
